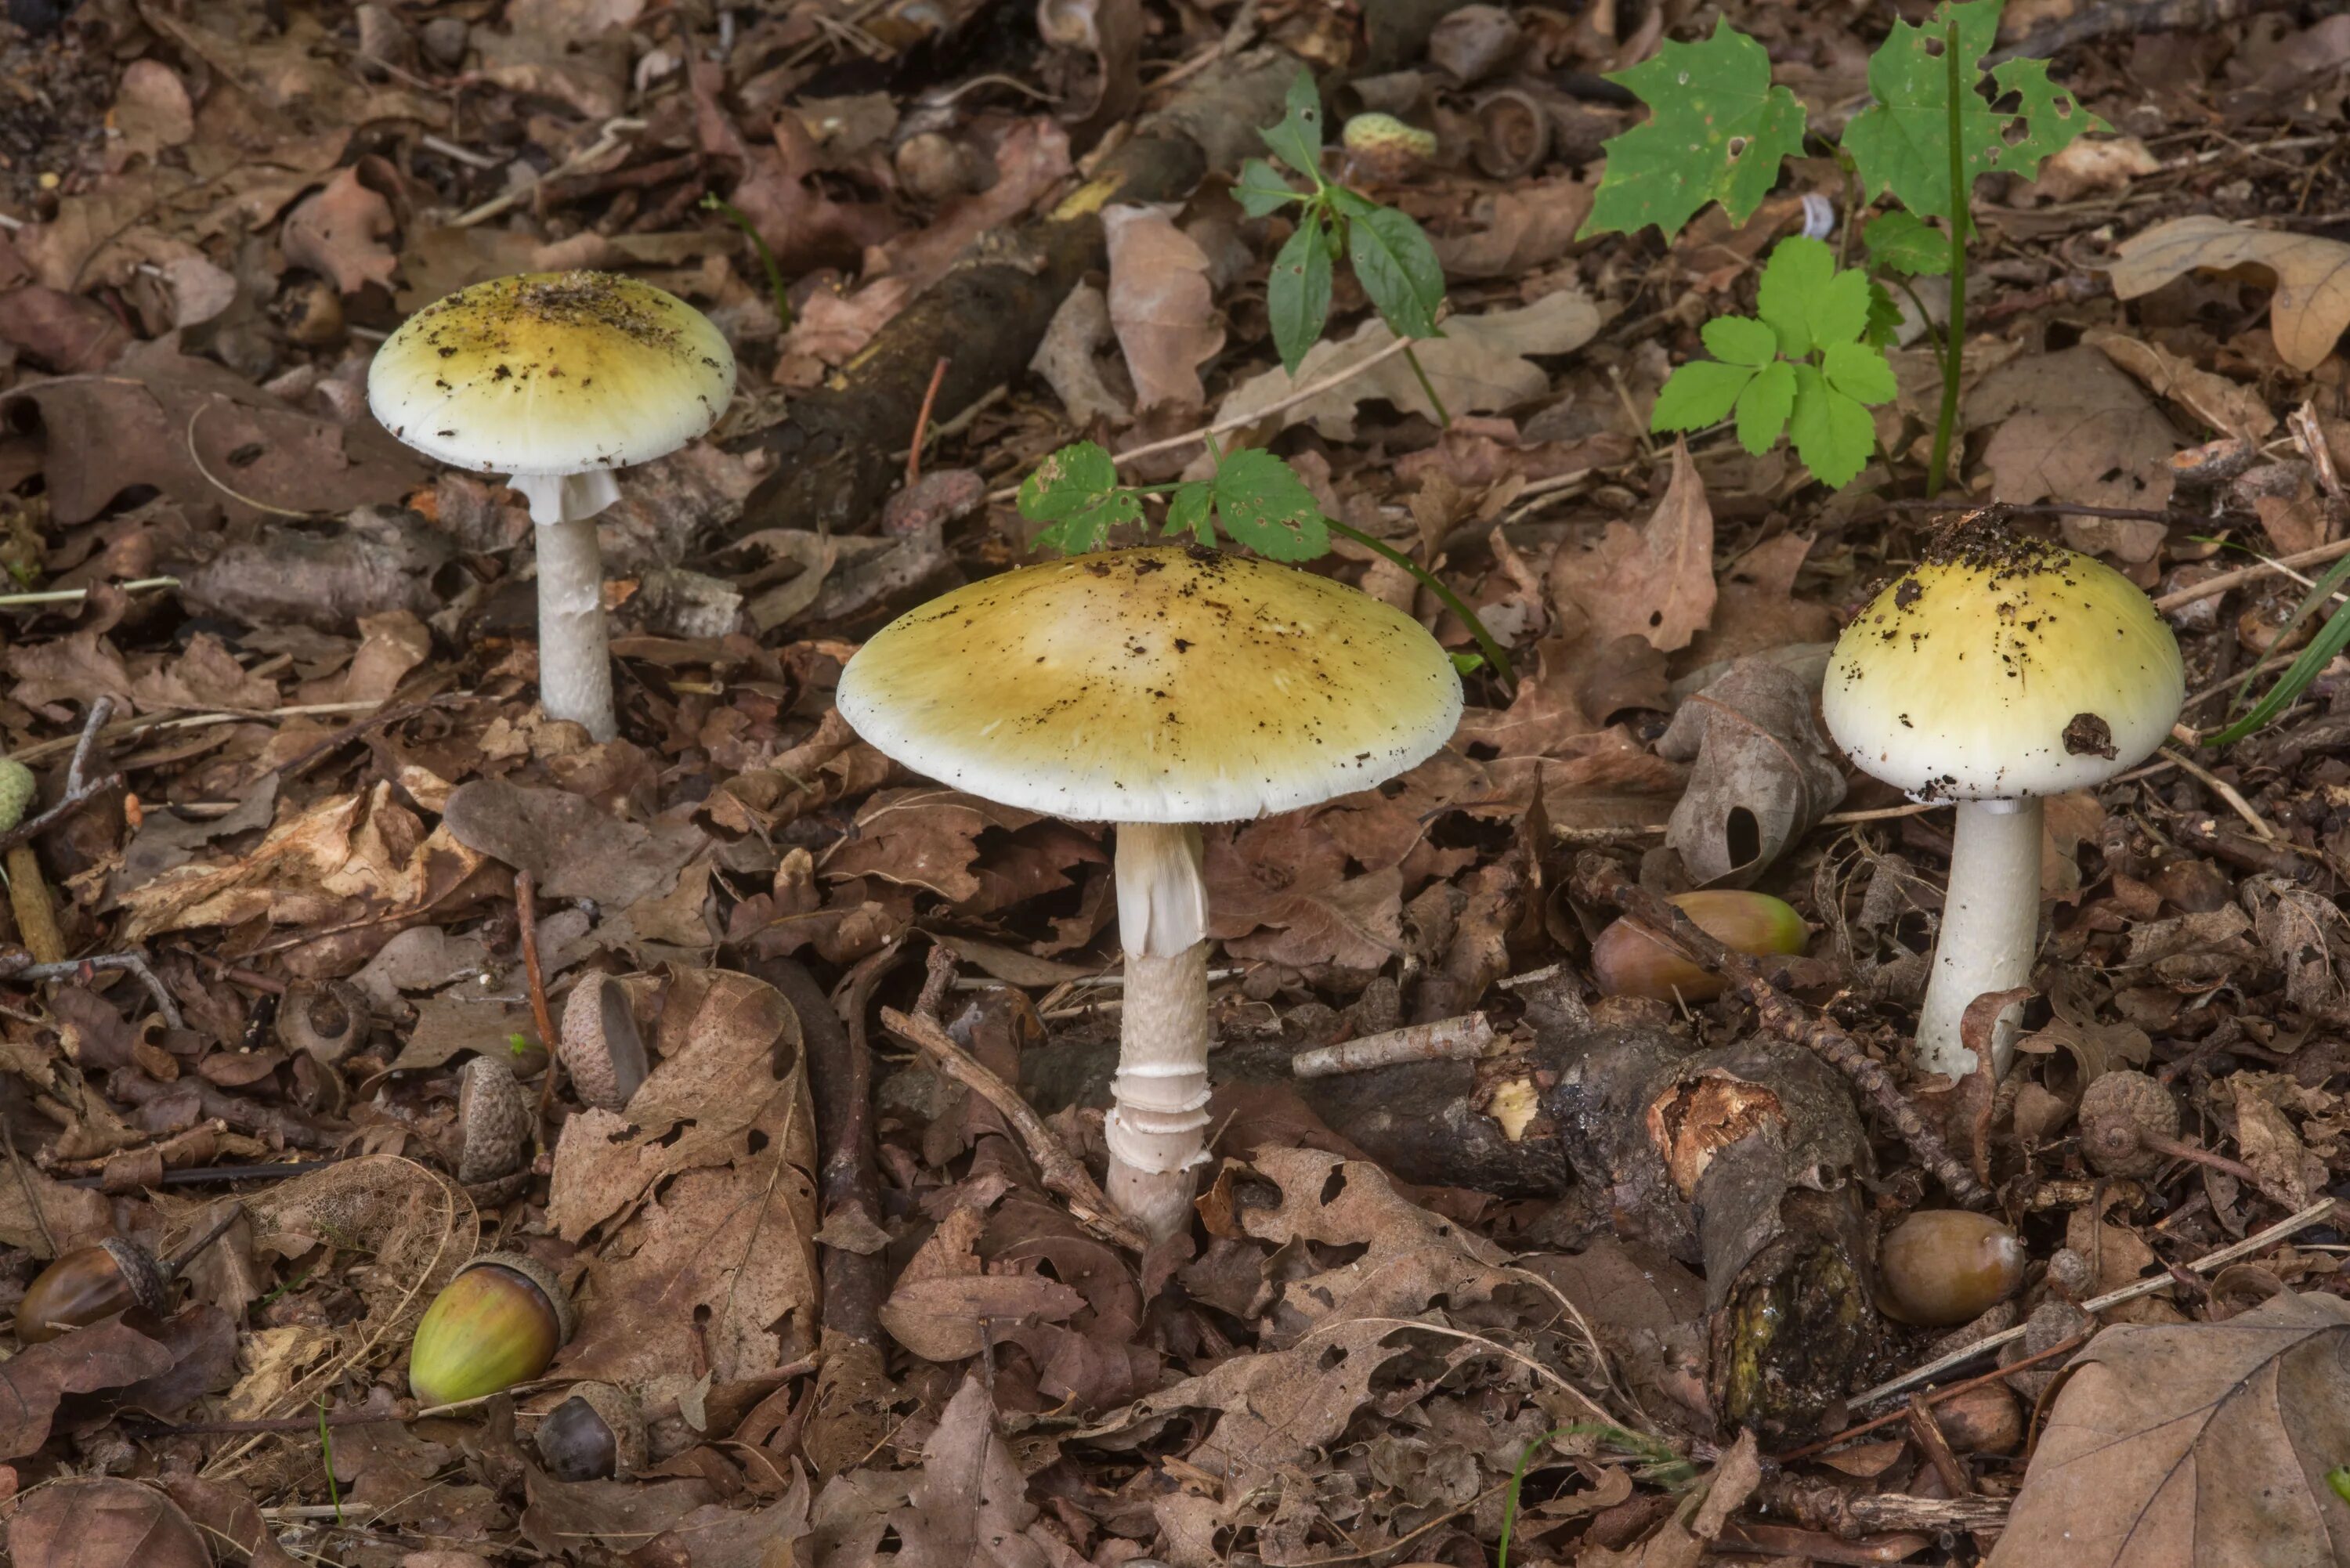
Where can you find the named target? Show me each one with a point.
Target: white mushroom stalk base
(575, 661)
(1990, 929)
(1157, 1129)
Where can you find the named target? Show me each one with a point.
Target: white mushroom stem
(1157, 1129)
(1990, 929)
(575, 663)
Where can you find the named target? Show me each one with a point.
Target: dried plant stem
(527, 936)
(2212, 587)
(1459, 1039)
(1055, 1165)
(1604, 881)
(28, 897)
(923, 421)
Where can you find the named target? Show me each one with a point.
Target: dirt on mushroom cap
(552, 373)
(2003, 666)
(1165, 684)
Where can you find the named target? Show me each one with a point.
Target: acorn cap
(2001, 667)
(1165, 684)
(601, 1047)
(552, 373)
(148, 1282)
(566, 1318)
(494, 1118)
(623, 1415)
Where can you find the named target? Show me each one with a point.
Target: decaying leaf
(1761, 773)
(1160, 306)
(1655, 583)
(2196, 1445)
(84, 1521)
(2310, 275)
(2074, 427)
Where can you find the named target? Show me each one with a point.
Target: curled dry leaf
(2195, 1444)
(2310, 273)
(87, 1521)
(1104, 82)
(107, 1356)
(2227, 407)
(1762, 775)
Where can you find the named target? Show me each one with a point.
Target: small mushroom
(327, 1019)
(1998, 670)
(602, 1048)
(556, 378)
(1158, 688)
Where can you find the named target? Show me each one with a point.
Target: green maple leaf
(1903, 243)
(1076, 491)
(1717, 130)
(1902, 141)
(1260, 503)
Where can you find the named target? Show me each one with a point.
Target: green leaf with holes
(1077, 492)
(1297, 140)
(1902, 141)
(1262, 503)
(1717, 130)
(1297, 294)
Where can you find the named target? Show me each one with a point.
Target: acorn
(1985, 1419)
(1627, 961)
(2128, 1124)
(496, 1118)
(1942, 1267)
(601, 1047)
(497, 1324)
(18, 788)
(91, 1284)
(1381, 147)
(596, 1433)
(327, 1019)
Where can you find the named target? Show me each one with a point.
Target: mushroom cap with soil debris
(552, 373)
(1167, 684)
(2002, 667)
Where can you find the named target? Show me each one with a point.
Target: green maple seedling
(1804, 367)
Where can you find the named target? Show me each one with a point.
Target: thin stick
(80, 787)
(75, 595)
(2211, 588)
(1935, 1396)
(611, 136)
(2225, 791)
(2130, 1292)
(1603, 882)
(1055, 1165)
(526, 924)
(923, 421)
(1462, 1039)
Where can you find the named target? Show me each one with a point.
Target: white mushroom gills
(1157, 1128)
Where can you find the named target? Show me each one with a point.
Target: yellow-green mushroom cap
(1165, 684)
(552, 373)
(2002, 667)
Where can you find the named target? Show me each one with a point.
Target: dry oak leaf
(1690, 1533)
(2310, 276)
(2072, 427)
(2229, 406)
(945, 1306)
(32, 1382)
(1762, 773)
(1161, 304)
(339, 232)
(1479, 366)
(101, 1522)
(2196, 1445)
(971, 1507)
(1655, 582)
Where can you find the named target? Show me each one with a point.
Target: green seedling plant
(1717, 131)
(1255, 498)
(2331, 638)
(1654, 1461)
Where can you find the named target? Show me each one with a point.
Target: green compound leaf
(1265, 506)
(1076, 491)
(1763, 407)
(1833, 433)
(1297, 140)
(1262, 189)
(1741, 341)
(1898, 242)
(1699, 395)
(1297, 294)
(1859, 372)
(1807, 302)
(1884, 328)
(1190, 511)
(1395, 263)
(1716, 132)
(1901, 143)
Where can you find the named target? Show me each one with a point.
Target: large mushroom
(1157, 688)
(556, 378)
(1998, 670)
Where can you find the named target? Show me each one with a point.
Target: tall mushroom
(1998, 670)
(1157, 688)
(556, 378)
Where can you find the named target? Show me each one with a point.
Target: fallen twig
(1459, 1039)
(1055, 1165)
(1604, 881)
(526, 889)
(80, 787)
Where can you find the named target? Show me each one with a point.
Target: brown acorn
(601, 1047)
(497, 1324)
(1627, 961)
(91, 1284)
(598, 1432)
(1942, 1267)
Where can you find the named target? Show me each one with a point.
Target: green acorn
(1381, 147)
(17, 788)
(497, 1324)
(1627, 962)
